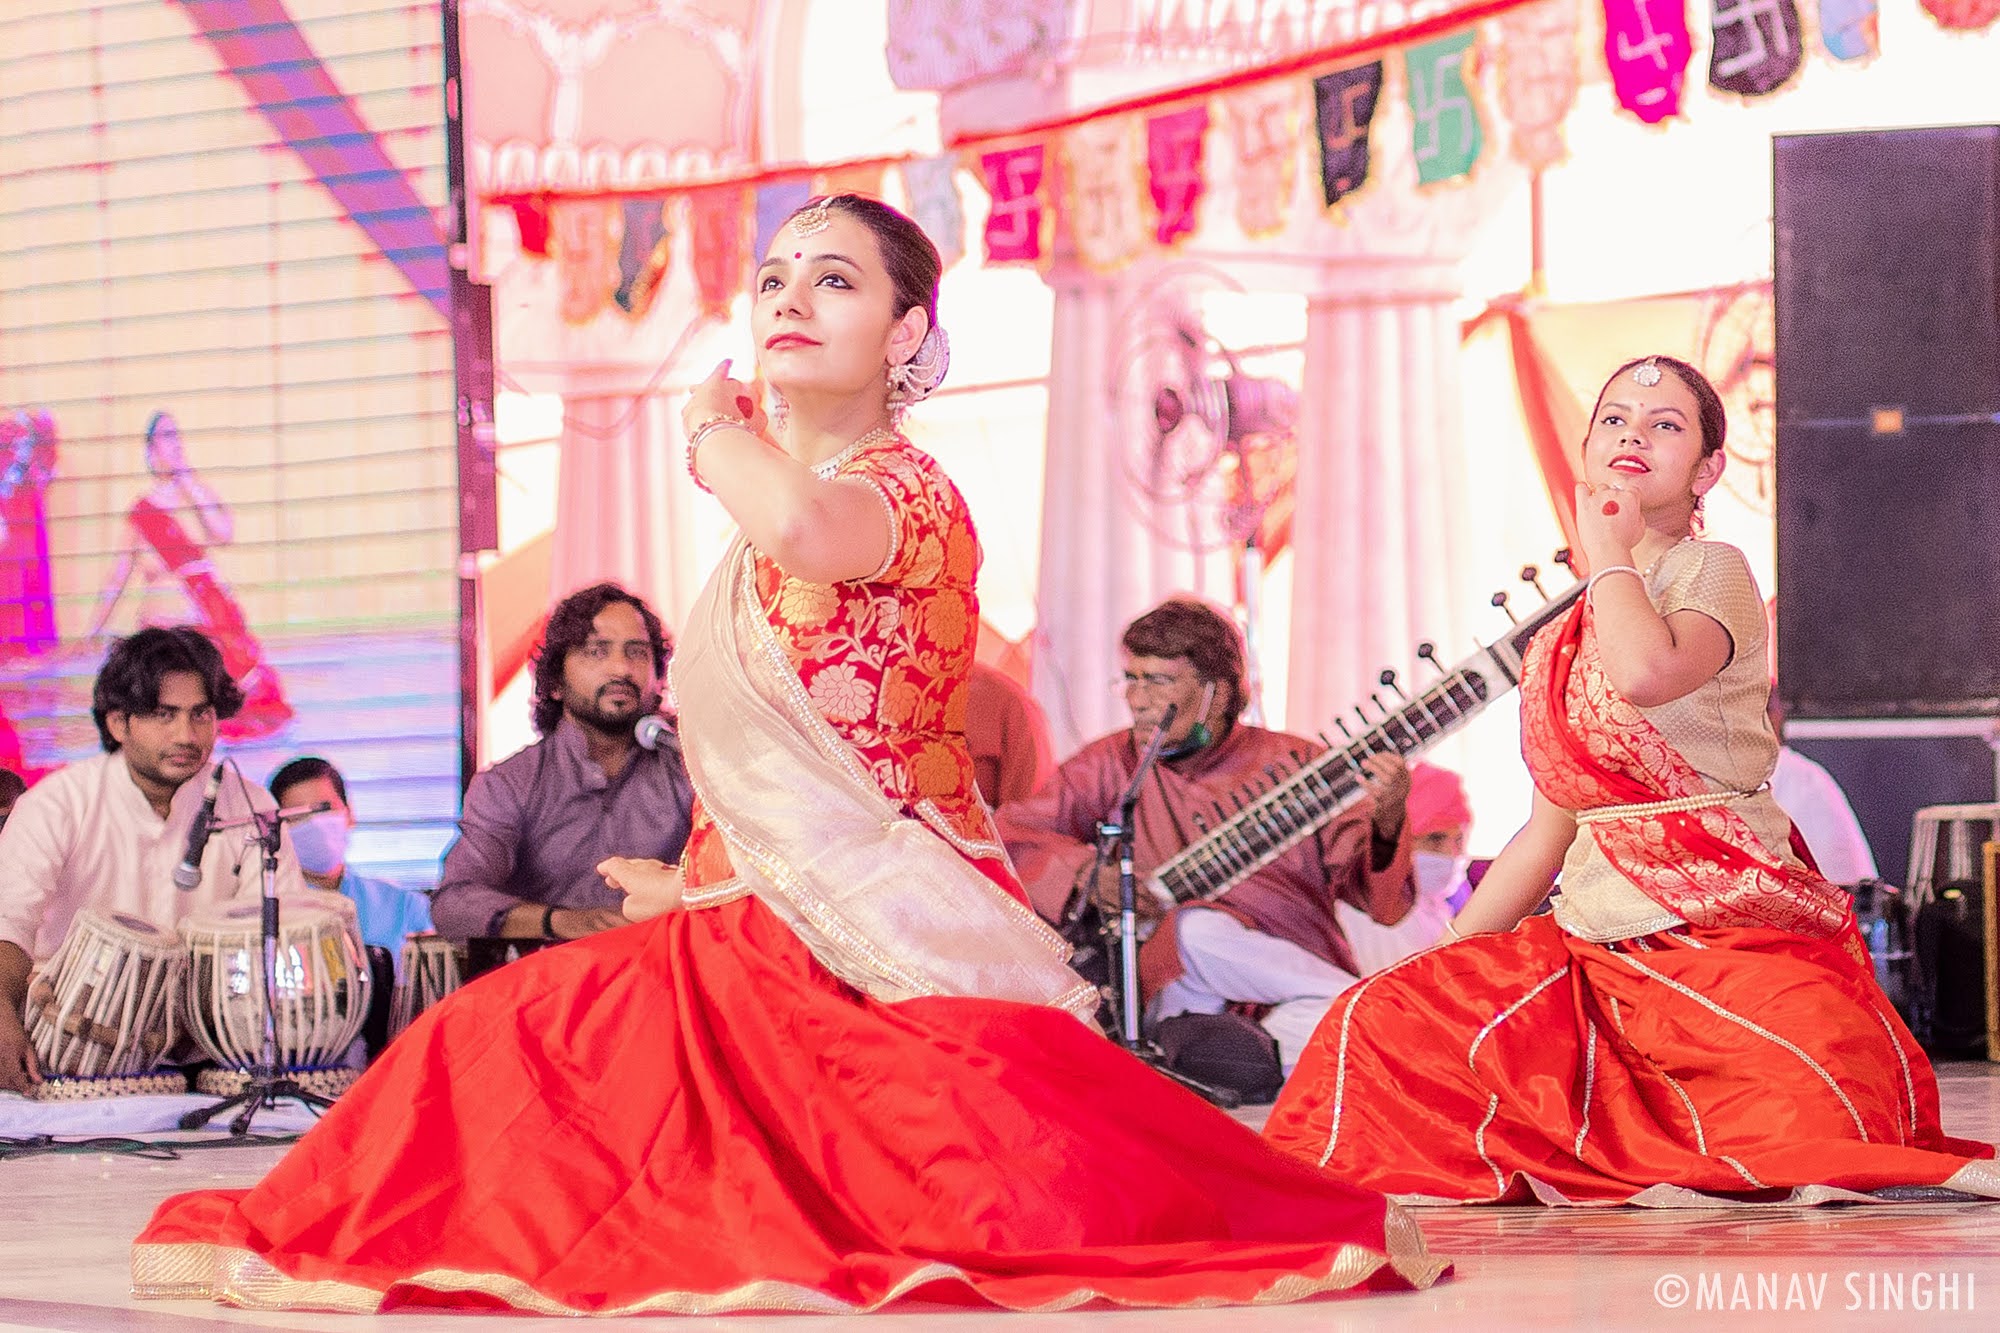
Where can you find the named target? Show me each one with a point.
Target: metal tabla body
(1948, 892)
(101, 1016)
(432, 967)
(322, 984)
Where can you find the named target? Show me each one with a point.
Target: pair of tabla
(110, 1006)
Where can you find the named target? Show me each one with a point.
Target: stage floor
(68, 1221)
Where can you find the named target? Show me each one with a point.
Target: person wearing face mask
(1439, 820)
(388, 914)
(1273, 942)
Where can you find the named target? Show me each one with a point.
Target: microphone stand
(1114, 838)
(269, 1081)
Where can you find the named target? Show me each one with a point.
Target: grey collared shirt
(536, 825)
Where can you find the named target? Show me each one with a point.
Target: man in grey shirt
(537, 824)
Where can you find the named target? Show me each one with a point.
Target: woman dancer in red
(1697, 1016)
(163, 552)
(840, 1062)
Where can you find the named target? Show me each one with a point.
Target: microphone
(648, 731)
(187, 874)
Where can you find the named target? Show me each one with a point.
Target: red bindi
(798, 254)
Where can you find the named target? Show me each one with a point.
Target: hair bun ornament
(916, 379)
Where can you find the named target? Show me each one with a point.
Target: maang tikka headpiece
(1647, 372)
(813, 218)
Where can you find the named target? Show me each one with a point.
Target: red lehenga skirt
(691, 1115)
(1754, 1064)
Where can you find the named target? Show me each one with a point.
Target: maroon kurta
(1051, 836)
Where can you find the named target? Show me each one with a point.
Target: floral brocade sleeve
(931, 541)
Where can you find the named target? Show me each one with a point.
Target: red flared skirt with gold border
(692, 1116)
(1750, 1064)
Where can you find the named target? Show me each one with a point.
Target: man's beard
(621, 722)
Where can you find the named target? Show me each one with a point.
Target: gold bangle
(701, 432)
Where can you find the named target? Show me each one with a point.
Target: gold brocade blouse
(1721, 729)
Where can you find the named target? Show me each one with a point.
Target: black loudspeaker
(1886, 286)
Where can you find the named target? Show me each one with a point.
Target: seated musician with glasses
(1271, 942)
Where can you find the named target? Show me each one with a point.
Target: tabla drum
(431, 969)
(1945, 842)
(101, 1016)
(1948, 893)
(320, 994)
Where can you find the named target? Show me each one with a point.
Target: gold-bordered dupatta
(882, 900)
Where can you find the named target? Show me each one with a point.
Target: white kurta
(86, 837)
(1820, 811)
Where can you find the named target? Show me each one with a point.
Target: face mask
(320, 842)
(1436, 874)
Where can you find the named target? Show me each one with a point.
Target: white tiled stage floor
(65, 1223)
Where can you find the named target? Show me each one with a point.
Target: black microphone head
(648, 730)
(187, 877)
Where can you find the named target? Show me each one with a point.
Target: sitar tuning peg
(1345, 734)
(1530, 574)
(1388, 677)
(1429, 653)
(1562, 557)
(1500, 600)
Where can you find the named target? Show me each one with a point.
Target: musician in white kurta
(106, 832)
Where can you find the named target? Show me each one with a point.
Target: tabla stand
(1114, 839)
(269, 1081)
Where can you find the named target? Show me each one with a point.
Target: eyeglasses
(1154, 681)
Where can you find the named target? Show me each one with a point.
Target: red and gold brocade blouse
(885, 660)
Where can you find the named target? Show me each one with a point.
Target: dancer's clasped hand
(651, 887)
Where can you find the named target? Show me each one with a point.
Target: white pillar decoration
(1380, 490)
(1104, 558)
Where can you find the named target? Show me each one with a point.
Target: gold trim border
(239, 1277)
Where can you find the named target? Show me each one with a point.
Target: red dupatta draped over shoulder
(1747, 1055)
(1589, 747)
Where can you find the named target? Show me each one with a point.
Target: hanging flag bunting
(1014, 226)
(1174, 174)
(1101, 169)
(642, 255)
(1757, 45)
(1263, 126)
(1538, 78)
(531, 219)
(1444, 126)
(856, 178)
(1647, 47)
(1847, 28)
(715, 244)
(1963, 15)
(775, 203)
(932, 187)
(586, 252)
(1345, 103)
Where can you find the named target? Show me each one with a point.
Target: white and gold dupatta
(882, 901)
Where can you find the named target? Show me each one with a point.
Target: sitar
(1298, 803)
